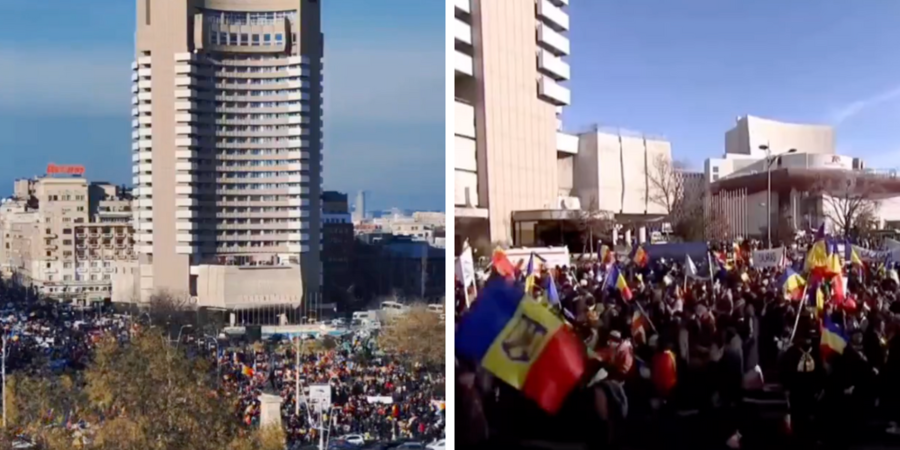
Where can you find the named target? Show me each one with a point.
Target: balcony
(463, 6)
(556, 43)
(552, 92)
(553, 66)
(462, 32)
(463, 64)
(566, 143)
(552, 15)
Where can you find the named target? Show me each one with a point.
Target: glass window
(245, 39)
(255, 39)
(267, 38)
(233, 40)
(279, 37)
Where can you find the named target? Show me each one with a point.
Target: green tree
(149, 395)
(418, 334)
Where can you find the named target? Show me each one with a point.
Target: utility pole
(3, 371)
(297, 381)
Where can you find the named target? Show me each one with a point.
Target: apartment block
(66, 237)
(510, 151)
(227, 149)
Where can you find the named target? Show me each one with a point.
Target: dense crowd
(674, 344)
(373, 395)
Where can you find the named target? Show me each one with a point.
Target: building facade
(745, 144)
(614, 172)
(227, 133)
(337, 245)
(509, 70)
(66, 237)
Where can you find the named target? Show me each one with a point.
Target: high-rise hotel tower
(227, 147)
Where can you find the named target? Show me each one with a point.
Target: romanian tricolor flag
(833, 339)
(246, 370)
(815, 296)
(607, 256)
(851, 256)
(522, 343)
(501, 264)
(792, 284)
(737, 252)
(818, 259)
(640, 257)
(639, 327)
(839, 288)
(615, 280)
(530, 276)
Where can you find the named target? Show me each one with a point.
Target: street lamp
(769, 161)
(218, 368)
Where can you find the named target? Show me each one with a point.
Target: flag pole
(799, 309)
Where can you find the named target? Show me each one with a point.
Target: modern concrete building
(65, 236)
(773, 175)
(227, 140)
(745, 142)
(613, 172)
(509, 71)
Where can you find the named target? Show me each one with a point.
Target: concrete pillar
(269, 410)
(628, 237)
(615, 236)
(642, 235)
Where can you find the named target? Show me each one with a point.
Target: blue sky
(65, 94)
(685, 69)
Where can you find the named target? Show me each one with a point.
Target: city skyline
(685, 70)
(80, 88)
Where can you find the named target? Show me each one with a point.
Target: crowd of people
(377, 396)
(671, 342)
(374, 395)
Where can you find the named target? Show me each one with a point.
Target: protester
(377, 395)
(705, 335)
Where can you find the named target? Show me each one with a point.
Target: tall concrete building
(359, 208)
(510, 152)
(227, 140)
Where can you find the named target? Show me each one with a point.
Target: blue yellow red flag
(522, 343)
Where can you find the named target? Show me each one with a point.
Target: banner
(869, 255)
(380, 399)
(465, 271)
(768, 258)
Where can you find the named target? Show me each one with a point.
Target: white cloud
(387, 83)
(65, 82)
(850, 110)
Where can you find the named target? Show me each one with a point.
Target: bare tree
(846, 199)
(715, 219)
(665, 182)
(165, 307)
(593, 222)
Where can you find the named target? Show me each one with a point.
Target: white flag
(690, 268)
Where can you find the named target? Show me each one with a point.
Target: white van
(393, 308)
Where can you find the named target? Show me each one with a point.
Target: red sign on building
(53, 169)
